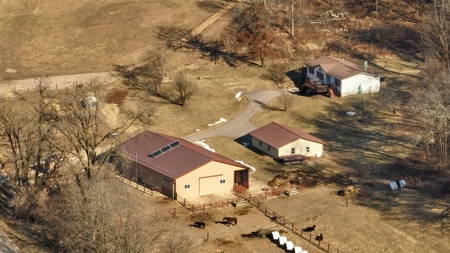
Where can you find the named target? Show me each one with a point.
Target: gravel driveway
(240, 125)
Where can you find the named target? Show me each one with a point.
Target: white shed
(280, 141)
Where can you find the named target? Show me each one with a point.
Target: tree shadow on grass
(215, 51)
(211, 6)
(5, 197)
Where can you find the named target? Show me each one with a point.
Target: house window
(187, 186)
(260, 143)
(319, 75)
(268, 147)
(337, 82)
(222, 181)
(307, 149)
(292, 150)
(150, 176)
(164, 182)
(311, 70)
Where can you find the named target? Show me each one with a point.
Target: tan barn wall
(212, 172)
(300, 148)
(263, 147)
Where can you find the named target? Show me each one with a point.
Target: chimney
(365, 65)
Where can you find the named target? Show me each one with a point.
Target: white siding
(300, 148)
(273, 152)
(369, 84)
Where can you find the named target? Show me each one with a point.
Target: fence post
(258, 204)
(347, 202)
(184, 202)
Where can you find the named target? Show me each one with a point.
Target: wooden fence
(293, 227)
(139, 186)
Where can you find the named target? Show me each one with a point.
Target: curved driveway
(240, 125)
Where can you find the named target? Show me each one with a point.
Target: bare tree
(105, 220)
(436, 35)
(431, 106)
(286, 99)
(253, 31)
(364, 105)
(84, 128)
(184, 89)
(39, 101)
(277, 74)
(146, 76)
(388, 99)
(18, 125)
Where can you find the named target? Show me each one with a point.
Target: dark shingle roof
(174, 163)
(278, 135)
(338, 68)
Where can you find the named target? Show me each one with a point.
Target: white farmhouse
(339, 77)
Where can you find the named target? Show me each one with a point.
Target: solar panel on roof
(165, 148)
(157, 153)
(174, 144)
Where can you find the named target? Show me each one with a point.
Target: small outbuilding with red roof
(281, 141)
(178, 166)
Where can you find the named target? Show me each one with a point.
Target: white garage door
(207, 185)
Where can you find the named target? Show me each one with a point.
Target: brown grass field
(49, 37)
(63, 37)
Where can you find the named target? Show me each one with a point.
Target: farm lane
(240, 125)
(7, 87)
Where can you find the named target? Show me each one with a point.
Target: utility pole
(292, 17)
(376, 3)
(135, 162)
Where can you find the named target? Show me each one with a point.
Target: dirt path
(240, 125)
(199, 29)
(55, 82)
